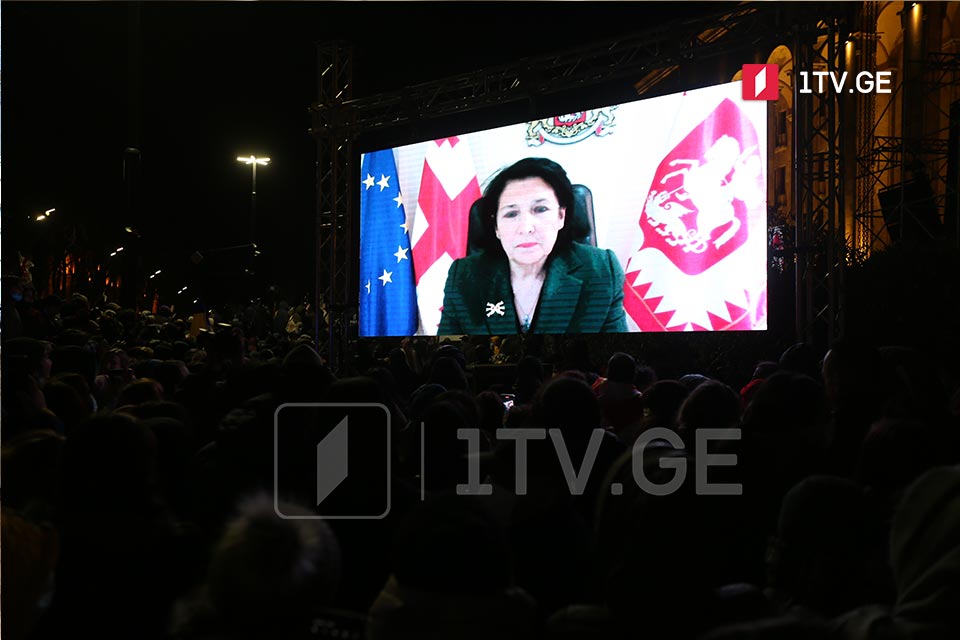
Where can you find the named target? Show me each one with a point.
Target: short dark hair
(621, 367)
(545, 169)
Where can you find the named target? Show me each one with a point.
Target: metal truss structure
(890, 160)
(334, 214)
(819, 148)
(651, 55)
(865, 42)
(625, 58)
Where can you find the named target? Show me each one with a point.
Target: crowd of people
(138, 489)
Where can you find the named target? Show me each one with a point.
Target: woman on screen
(531, 276)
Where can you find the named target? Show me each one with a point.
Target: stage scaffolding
(819, 181)
(890, 160)
(337, 119)
(335, 174)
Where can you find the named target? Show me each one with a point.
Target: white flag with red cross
(448, 187)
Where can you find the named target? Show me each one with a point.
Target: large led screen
(666, 230)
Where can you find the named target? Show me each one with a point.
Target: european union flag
(388, 298)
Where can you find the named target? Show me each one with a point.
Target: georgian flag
(448, 187)
(700, 260)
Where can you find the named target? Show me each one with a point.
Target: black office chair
(581, 219)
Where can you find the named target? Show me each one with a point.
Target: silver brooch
(497, 308)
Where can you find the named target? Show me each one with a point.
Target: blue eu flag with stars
(388, 297)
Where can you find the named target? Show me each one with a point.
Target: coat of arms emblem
(571, 127)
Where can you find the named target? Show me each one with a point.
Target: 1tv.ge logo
(337, 457)
(760, 81)
(333, 456)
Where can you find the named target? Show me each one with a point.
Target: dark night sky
(222, 79)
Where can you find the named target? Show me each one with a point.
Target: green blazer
(582, 293)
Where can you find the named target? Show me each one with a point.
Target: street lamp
(253, 161)
(46, 214)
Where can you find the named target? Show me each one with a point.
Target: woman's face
(528, 220)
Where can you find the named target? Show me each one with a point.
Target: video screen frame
(678, 185)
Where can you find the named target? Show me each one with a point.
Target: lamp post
(253, 161)
(48, 248)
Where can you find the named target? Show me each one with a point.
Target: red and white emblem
(700, 263)
(571, 127)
